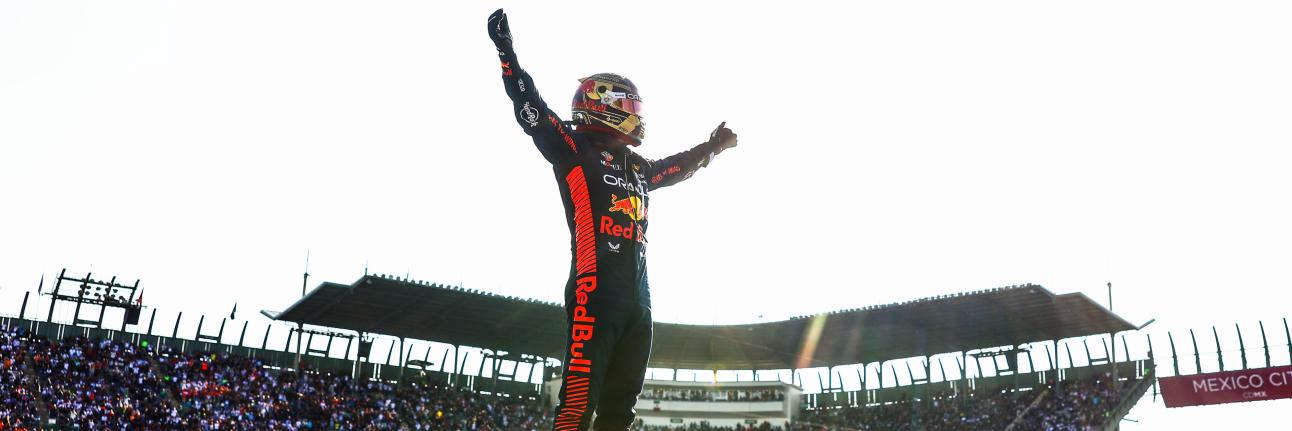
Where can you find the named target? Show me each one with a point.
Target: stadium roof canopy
(1007, 316)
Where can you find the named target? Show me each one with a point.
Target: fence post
(151, 319)
(264, 343)
(175, 332)
(444, 362)
(1151, 356)
(1175, 358)
(1220, 358)
(1071, 363)
(1242, 350)
(1197, 356)
(22, 312)
(1051, 357)
(1265, 344)
(1288, 334)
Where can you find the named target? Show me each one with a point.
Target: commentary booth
(725, 404)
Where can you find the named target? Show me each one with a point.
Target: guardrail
(1130, 400)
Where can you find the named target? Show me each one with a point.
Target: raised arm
(675, 168)
(550, 136)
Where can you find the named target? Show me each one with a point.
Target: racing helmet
(607, 100)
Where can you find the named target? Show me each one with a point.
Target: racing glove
(500, 33)
(722, 138)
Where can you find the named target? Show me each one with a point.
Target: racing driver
(605, 188)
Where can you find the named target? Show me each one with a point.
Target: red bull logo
(631, 231)
(631, 206)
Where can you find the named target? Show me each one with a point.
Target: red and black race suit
(607, 298)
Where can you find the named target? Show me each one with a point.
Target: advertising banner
(1227, 387)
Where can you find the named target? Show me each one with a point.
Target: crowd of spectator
(984, 410)
(225, 391)
(695, 394)
(84, 384)
(234, 392)
(109, 385)
(18, 404)
(1074, 406)
(100, 385)
(1082, 405)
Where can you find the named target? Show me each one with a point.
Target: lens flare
(810, 341)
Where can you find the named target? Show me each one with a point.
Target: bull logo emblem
(631, 206)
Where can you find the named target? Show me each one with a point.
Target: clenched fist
(723, 137)
(499, 32)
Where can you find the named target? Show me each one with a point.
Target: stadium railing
(1132, 397)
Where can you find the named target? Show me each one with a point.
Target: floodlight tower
(94, 292)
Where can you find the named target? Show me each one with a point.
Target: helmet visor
(627, 102)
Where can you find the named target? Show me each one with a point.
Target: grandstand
(993, 359)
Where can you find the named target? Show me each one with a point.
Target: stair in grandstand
(1023, 414)
(29, 371)
(157, 368)
(1123, 408)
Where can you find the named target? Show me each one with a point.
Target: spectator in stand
(94, 385)
(18, 409)
(1074, 406)
(107, 385)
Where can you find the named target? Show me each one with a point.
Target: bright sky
(888, 151)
